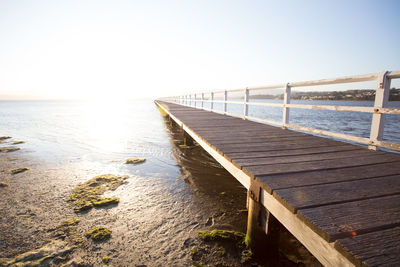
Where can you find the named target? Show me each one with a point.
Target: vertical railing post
(202, 100)
(378, 119)
(225, 99)
(212, 101)
(286, 101)
(246, 107)
(190, 100)
(195, 100)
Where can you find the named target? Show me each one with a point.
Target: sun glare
(104, 122)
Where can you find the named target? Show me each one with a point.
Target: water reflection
(218, 190)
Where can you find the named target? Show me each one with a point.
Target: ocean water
(353, 123)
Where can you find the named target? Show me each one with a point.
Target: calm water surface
(176, 192)
(171, 196)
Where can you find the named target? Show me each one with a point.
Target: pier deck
(341, 201)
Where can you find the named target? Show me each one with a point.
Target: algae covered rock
(3, 184)
(18, 142)
(99, 233)
(135, 160)
(4, 137)
(49, 255)
(87, 195)
(221, 235)
(19, 170)
(9, 149)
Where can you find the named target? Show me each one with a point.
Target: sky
(149, 49)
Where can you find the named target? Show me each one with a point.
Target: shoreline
(33, 206)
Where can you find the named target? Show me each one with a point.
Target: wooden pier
(341, 201)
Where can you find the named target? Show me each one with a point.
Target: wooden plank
(309, 178)
(290, 152)
(270, 147)
(304, 158)
(353, 218)
(260, 170)
(263, 139)
(213, 136)
(380, 248)
(334, 193)
(324, 251)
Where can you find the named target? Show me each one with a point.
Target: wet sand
(155, 223)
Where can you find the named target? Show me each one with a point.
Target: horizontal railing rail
(379, 110)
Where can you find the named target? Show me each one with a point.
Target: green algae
(87, 195)
(51, 254)
(135, 160)
(11, 159)
(106, 259)
(3, 184)
(247, 255)
(221, 235)
(67, 229)
(101, 202)
(221, 252)
(18, 170)
(197, 264)
(4, 137)
(194, 251)
(9, 149)
(99, 233)
(238, 238)
(17, 142)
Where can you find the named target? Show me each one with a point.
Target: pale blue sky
(74, 49)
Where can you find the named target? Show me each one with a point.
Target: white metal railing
(378, 110)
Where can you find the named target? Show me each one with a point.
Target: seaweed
(87, 195)
(228, 236)
(221, 235)
(11, 159)
(4, 137)
(9, 149)
(247, 255)
(3, 184)
(135, 160)
(99, 233)
(19, 170)
(67, 230)
(106, 259)
(17, 142)
(51, 254)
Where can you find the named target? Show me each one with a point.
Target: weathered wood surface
(353, 218)
(344, 193)
(373, 249)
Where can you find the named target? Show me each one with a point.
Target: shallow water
(170, 197)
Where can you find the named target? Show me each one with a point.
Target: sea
(176, 191)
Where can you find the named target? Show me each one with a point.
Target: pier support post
(187, 139)
(254, 208)
(260, 222)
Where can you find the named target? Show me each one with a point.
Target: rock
(135, 160)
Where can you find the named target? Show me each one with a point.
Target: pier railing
(379, 110)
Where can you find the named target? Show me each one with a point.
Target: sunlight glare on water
(105, 124)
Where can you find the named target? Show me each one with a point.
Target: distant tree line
(358, 95)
